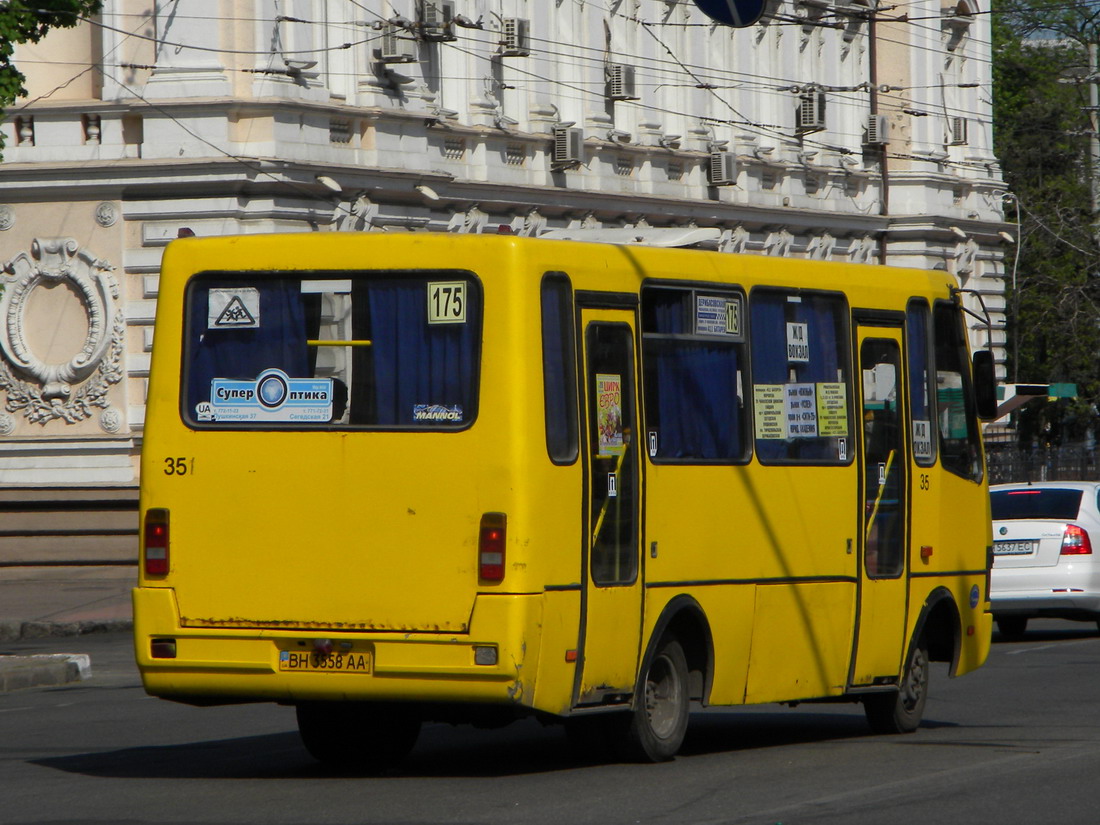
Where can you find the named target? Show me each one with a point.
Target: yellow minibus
(397, 478)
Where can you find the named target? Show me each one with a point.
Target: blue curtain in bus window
(697, 412)
(691, 392)
(278, 342)
(669, 311)
(424, 373)
(824, 331)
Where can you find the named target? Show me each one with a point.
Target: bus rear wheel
(357, 736)
(901, 712)
(657, 725)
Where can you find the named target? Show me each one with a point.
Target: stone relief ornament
(7, 217)
(106, 214)
(72, 390)
(110, 420)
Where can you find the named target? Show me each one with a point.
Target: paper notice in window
(832, 409)
(801, 409)
(798, 343)
(767, 400)
(922, 439)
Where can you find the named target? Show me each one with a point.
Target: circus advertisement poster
(609, 413)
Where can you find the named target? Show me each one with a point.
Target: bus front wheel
(901, 712)
(361, 737)
(660, 717)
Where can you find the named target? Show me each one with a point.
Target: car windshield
(1046, 503)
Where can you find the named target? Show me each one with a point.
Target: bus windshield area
(387, 350)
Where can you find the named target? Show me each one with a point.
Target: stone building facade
(829, 129)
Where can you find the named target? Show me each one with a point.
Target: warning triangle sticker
(235, 314)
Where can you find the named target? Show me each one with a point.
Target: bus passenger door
(612, 613)
(880, 634)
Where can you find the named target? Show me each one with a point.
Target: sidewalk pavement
(41, 602)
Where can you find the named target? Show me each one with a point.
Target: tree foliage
(28, 22)
(1042, 135)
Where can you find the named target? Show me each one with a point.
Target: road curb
(45, 670)
(14, 629)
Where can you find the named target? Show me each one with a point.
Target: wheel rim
(662, 697)
(916, 682)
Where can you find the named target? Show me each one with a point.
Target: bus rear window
(388, 350)
(1057, 504)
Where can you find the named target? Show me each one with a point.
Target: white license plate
(312, 662)
(1013, 548)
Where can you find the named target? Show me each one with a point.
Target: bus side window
(693, 345)
(801, 377)
(559, 368)
(960, 444)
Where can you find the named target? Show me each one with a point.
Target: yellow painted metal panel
(801, 642)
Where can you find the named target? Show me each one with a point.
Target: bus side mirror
(985, 385)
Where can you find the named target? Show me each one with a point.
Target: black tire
(901, 712)
(655, 728)
(1012, 628)
(357, 736)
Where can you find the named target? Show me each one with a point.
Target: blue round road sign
(737, 13)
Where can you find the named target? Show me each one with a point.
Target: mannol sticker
(437, 412)
(272, 396)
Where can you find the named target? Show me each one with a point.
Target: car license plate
(313, 662)
(1013, 548)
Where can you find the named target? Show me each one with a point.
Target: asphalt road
(1017, 742)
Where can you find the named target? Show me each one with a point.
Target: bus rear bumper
(230, 665)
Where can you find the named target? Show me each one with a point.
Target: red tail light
(156, 542)
(1075, 541)
(490, 548)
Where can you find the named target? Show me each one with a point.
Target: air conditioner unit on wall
(435, 20)
(620, 82)
(514, 38)
(878, 130)
(810, 115)
(568, 145)
(722, 169)
(398, 46)
(957, 131)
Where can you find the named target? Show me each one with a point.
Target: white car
(1043, 559)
